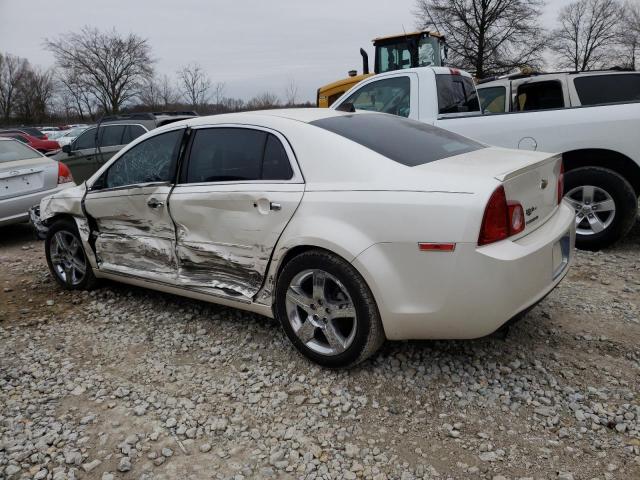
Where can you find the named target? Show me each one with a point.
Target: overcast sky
(251, 45)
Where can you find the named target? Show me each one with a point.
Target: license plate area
(561, 255)
(20, 184)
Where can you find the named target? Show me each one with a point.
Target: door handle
(155, 203)
(276, 207)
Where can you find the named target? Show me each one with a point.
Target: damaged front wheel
(66, 257)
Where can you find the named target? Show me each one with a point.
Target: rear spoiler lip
(503, 177)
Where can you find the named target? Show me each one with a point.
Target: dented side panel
(226, 233)
(133, 237)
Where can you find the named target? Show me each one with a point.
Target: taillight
(501, 219)
(64, 174)
(561, 182)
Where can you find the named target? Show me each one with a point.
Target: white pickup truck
(600, 144)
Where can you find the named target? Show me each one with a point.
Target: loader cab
(396, 52)
(418, 49)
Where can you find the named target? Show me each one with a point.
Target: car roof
(305, 115)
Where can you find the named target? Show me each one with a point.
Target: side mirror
(67, 149)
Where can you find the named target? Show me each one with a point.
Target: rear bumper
(16, 209)
(471, 292)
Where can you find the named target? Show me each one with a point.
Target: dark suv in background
(97, 144)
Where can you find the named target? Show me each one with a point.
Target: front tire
(327, 310)
(605, 203)
(66, 257)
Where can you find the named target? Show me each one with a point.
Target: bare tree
(291, 92)
(218, 92)
(12, 72)
(630, 35)
(589, 34)
(112, 67)
(232, 104)
(486, 36)
(168, 93)
(80, 97)
(34, 96)
(263, 101)
(194, 85)
(150, 94)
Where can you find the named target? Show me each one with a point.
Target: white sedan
(348, 228)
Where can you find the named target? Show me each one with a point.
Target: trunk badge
(543, 183)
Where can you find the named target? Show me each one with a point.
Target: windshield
(12, 150)
(404, 54)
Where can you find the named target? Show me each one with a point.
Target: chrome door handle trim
(276, 207)
(153, 203)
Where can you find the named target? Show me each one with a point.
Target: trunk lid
(23, 177)
(530, 178)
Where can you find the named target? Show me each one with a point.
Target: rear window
(12, 150)
(600, 89)
(402, 140)
(456, 94)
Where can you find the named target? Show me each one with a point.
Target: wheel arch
(598, 157)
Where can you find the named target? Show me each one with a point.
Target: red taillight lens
(501, 219)
(561, 183)
(495, 224)
(64, 174)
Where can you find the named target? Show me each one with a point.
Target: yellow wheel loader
(407, 50)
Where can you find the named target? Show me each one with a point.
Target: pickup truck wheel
(605, 203)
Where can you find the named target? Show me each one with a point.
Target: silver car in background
(26, 177)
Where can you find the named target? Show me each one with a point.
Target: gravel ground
(127, 383)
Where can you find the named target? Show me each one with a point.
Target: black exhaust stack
(365, 61)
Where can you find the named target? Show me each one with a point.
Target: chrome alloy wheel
(67, 258)
(321, 312)
(595, 209)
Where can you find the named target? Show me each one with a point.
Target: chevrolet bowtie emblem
(543, 183)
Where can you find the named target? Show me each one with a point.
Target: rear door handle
(275, 206)
(155, 203)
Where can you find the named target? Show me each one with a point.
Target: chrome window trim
(146, 130)
(130, 187)
(297, 177)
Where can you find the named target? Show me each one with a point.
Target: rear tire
(66, 257)
(327, 310)
(616, 206)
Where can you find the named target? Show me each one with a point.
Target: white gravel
(126, 383)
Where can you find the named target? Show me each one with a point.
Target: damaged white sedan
(348, 228)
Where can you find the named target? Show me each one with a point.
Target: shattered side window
(153, 160)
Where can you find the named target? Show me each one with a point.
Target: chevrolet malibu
(349, 228)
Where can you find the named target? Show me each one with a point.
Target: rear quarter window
(602, 89)
(402, 140)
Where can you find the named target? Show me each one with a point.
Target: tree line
(492, 37)
(98, 73)
(102, 72)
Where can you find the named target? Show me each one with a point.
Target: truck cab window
(492, 99)
(539, 96)
(391, 95)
